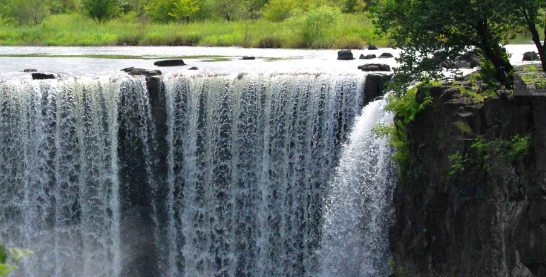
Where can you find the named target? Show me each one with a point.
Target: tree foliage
(531, 13)
(25, 12)
(279, 10)
(432, 33)
(101, 10)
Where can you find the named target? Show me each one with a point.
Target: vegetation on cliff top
(433, 33)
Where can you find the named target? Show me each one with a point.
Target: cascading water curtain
(358, 208)
(249, 160)
(225, 177)
(58, 175)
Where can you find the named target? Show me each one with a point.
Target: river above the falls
(101, 61)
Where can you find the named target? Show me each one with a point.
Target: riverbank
(351, 31)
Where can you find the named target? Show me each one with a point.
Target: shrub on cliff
(433, 33)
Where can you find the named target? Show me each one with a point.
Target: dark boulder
(375, 67)
(530, 56)
(193, 68)
(170, 63)
(372, 47)
(469, 59)
(43, 76)
(345, 55)
(141, 71)
(30, 70)
(367, 57)
(246, 58)
(374, 86)
(386, 56)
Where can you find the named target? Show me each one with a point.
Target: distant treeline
(245, 23)
(33, 12)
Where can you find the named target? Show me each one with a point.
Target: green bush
(311, 26)
(279, 10)
(405, 107)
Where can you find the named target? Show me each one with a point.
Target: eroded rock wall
(486, 220)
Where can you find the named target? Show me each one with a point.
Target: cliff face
(488, 218)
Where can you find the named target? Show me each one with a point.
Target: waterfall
(357, 205)
(58, 176)
(183, 175)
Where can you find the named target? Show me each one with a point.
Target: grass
(352, 31)
(531, 68)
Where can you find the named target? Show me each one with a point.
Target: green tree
(101, 10)
(254, 7)
(229, 9)
(531, 14)
(279, 10)
(433, 32)
(61, 6)
(25, 12)
(183, 9)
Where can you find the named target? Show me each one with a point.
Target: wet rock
(530, 56)
(141, 71)
(468, 60)
(374, 86)
(194, 68)
(30, 70)
(247, 58)
(345, 55)
(386, 56)
(375, 67)
(43, 76)
(170, 63)
(372, 47)
(367, 57)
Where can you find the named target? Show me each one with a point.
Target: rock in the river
(141, 71)
(530, 56)
(367, 57)
(386, 56)
(372, 47)
(375, 67)
(345, 55)
(469, 59)
(247, 58)
(193, 68)
(374, 85)
(28, 70)
(170, 63)
(43, 76)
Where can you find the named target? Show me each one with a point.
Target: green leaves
(10, 256)
(17, 254)
(101, 10)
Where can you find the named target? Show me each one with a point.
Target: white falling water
(249, 158)
(58, 175)
(357, 205)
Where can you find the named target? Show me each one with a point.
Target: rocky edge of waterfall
(487, 220)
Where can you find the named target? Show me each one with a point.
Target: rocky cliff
(472, 201)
